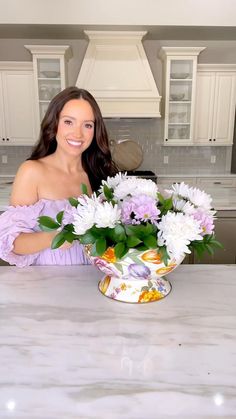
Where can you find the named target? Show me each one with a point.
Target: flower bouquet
(135, 234)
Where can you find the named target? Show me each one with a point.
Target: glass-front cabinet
(50, 75)
(180, 64)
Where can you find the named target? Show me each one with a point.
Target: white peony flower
(135, 187)
(106, 215)
(176, 231)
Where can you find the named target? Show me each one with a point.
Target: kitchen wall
(147, 132)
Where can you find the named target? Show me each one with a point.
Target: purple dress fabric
(24, 219)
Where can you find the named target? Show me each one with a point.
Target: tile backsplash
(182, 160)
(149, 134)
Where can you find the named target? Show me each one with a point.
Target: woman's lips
(74, 143)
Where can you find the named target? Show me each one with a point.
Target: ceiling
(36, 31)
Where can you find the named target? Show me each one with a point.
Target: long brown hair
(96, 160)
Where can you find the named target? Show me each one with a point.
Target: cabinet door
(224, 110)
(19, 105)
(204, 107)
(225, 229)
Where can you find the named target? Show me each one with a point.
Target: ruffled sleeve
(16, 220)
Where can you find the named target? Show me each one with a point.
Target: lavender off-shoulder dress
(24, 219)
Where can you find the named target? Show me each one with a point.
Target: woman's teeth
(74, 143)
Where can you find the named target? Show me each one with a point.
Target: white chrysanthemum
(180, 189)
(83, 218)
(112, 182)
(183, 206)
(200, 199)
(177, 231)
(88, 201)
(134, 187)
(106, 215)
(197, 197)
(84, 213)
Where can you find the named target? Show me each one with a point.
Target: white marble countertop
(68, 352)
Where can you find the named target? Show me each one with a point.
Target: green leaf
(160, 197)
(133, 241)
(117, 234)
(70, 237)
(164, 254)
(73, 201)
(150, 241)
(84, 189)
(58, 240)
(47, 223)
(59, 216)
(101, 246)
(120, 250)
(107, 192)
(87, 238)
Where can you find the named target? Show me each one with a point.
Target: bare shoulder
(25, 186)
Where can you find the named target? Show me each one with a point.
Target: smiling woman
(72, 149)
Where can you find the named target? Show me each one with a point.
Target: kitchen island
(69, 352)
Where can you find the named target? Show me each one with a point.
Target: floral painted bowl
(138, 277)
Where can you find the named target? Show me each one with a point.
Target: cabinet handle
(3, 139)
(217, 183)
(166, 139)
(8, 139)
(210, 139)
(214, 139)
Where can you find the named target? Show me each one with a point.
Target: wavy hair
(96, 160)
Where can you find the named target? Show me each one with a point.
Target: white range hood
(115, 70)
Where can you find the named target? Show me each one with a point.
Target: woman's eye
(67, 122)
(89, 125)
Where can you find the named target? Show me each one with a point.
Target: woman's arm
(28, 243)
(25, 192)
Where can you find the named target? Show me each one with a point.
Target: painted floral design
(107, 268)
(152, 256)
(152, 295)
(138, 271)
(109, 255)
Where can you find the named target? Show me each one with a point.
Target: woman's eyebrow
(72, 117)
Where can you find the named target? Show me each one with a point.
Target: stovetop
(146, 174)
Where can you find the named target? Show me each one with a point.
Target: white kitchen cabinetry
(215, 104)
(225, 231)
(50, 77)
(180, 69)
(214, 182)
(17, 104)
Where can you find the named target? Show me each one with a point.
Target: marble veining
(68, 352)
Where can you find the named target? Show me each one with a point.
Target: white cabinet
(215, 105)
(50, 76)
(180, 68)
(17, 104)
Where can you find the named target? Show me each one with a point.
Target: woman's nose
(78, 131)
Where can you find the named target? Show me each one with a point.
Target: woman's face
(75, 127)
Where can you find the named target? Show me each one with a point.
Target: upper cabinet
(50, 76)
(180, 70)
(215, 104)
(17, 104)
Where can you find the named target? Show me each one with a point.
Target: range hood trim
(134, 96)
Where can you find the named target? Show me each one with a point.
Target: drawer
(214, 182)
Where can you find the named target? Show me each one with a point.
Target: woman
(72, 149)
